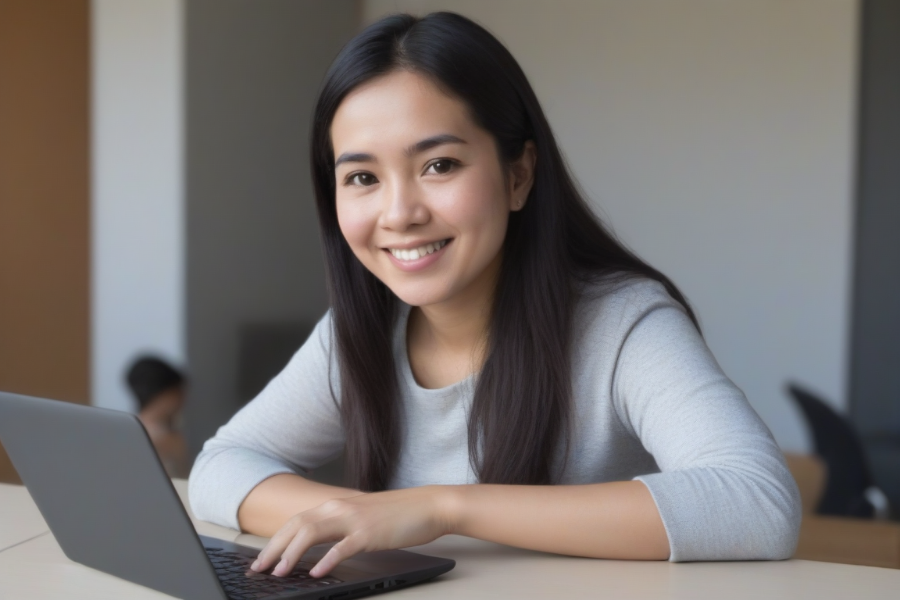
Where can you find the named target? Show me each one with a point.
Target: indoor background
(155, 194)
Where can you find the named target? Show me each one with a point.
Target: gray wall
(252, 73)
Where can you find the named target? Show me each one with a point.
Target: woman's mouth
(413, 254)
(416, 259)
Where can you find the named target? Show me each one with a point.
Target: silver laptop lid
(98, 483)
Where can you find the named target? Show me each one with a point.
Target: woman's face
(422, 198)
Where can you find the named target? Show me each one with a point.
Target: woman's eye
(441, 167)
(362, 179)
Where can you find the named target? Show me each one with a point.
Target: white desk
(20, 519)
(38, 570)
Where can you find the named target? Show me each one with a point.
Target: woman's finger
(347, 547)
(307, 536)
(271, 552)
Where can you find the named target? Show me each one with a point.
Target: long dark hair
(522, 404)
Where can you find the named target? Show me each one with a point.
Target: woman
(494, 363)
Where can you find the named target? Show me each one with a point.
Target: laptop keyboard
(241, 583)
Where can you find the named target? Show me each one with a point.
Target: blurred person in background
(159, 389)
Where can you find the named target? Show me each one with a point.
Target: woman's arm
(723, 490)
(293, 426)
(605, 520)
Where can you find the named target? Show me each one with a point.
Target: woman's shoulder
(609, 308)
(621, 297)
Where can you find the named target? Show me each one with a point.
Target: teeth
(416, 253)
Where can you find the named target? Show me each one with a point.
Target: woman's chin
(419, 297)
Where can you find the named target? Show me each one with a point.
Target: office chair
(849, 489)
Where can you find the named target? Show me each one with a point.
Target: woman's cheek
(354, 225)
(472, 200)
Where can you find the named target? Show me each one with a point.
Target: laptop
(99, 484)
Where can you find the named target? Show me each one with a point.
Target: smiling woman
(494, 364)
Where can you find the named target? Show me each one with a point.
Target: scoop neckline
(406, 368)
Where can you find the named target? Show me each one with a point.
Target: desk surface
(36, 568)
(19, 517)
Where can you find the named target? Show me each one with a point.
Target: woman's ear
(521, 176)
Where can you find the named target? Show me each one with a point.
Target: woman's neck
(447, 341)
(459, 331)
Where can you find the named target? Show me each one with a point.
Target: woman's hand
(364, 523)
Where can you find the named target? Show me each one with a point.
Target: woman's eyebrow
(417, 148)
(433, 141)
(355, 157)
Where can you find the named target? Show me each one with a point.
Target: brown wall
(44, 200)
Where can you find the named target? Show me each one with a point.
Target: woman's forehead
(394, 111)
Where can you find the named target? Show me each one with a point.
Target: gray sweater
(650, 403)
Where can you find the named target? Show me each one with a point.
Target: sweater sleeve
(723, 491)
(292, 426)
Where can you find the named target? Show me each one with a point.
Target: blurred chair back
(838, 445)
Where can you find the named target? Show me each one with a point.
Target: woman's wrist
(448, 506)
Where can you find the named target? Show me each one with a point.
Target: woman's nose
(402, 207)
